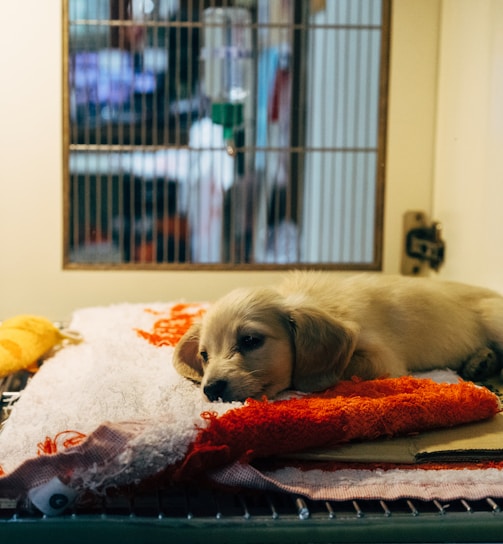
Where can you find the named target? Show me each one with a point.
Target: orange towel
(353, 410)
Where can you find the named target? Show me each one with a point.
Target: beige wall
(31, 275)
(469, 152)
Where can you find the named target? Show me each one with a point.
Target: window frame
(375, 265)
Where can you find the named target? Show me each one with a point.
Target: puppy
(314, 329)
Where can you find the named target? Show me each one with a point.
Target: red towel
(352, 410)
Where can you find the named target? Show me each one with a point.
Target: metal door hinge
(424, 247)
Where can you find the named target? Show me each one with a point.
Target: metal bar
(197, 24)
(242, 149)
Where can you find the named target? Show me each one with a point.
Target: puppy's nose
(215, 390)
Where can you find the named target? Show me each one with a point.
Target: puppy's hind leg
(491, 316)
(483, 364)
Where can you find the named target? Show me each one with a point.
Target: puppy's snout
(215, 390)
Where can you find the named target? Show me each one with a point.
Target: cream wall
(469, 151)
(411, 120)
(31, 275)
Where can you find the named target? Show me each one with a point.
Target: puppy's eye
(204, 356)
(250, 342)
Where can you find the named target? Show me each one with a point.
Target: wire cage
(225, 134)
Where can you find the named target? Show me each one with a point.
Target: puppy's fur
(314, 329)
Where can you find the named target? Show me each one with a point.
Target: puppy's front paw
(481, 365)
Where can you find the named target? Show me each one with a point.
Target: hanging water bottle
(227, 58)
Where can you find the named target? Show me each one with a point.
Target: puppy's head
(258, 342)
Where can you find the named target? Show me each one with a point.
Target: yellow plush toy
(25, 339)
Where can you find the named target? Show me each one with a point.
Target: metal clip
(423, 244)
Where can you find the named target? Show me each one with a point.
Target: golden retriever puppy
(315, 329)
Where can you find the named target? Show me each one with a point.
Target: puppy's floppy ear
(186, 358)
(323, 348)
